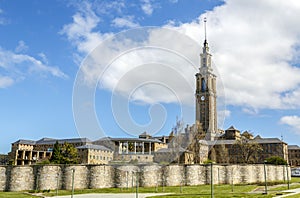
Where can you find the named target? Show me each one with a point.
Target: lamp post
(132, 181)
(211, 180)
(287, 175)
(73, 171)
(137, 185)
(57, 184)
(265, 174)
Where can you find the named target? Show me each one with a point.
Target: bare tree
(248, 149)
(177, 140)
(223, 155)
(196, 134)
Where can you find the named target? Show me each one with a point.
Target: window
(203, 85)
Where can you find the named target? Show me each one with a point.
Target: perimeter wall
(43, 177)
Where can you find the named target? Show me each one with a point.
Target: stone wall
(41, 177)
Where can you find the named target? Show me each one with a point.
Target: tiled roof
(293, 147)
(92, 146)
(169, 150)
(260, 141)
(129, 139)
(61, 141)
(52, 141)
(22, 141)
(231, 128)
(268, 140)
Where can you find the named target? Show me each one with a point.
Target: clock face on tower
(202, 98)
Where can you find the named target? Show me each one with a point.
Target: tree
(223, 155)
(65, 154)
(69, 154)
(248, 149)
(56, 154)
(177, 141)
(276, 160)
(195, 136)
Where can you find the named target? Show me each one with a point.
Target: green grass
(15, 195)
(177, 192)
(295, 180)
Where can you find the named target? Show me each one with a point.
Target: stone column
(149, 148)
(134, 147)
(30, 157)
(23, 157)
(143, 147)
(120, 147)
(127, 147)
(37, 155)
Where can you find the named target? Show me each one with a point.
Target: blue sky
(44, 45)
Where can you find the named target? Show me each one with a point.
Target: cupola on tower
(206, 93)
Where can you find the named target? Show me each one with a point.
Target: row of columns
(135, 146)
(23, 157)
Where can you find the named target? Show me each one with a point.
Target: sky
(119, 68)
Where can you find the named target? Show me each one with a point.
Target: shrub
(276, 160)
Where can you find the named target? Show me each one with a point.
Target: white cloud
(127, 22)
(254, 45)
(147, 6)
(292, 121)
(107, 6)
(81, 31)
(18, 66)
(3, 20)
(22, 47)
(43, 57)
(5, 81)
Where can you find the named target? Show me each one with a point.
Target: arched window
(203, 85)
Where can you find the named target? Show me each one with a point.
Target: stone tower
(206, 94)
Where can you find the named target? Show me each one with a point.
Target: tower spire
(205, 40)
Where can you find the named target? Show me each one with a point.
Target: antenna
(205, 28)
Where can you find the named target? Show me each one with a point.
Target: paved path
(291, 192)
(111, 195)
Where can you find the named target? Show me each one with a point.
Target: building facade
(94, 154)
(27, 152)
(231, 148)
(294, 155)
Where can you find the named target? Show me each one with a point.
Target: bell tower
(206, 93)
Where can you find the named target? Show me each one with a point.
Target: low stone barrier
(44, 177)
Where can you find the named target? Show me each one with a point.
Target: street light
(265, 174)
(211, 180)
(287, 175)
(73, 171)
(137, 185)
(57, 184)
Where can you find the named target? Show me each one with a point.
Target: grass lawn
(15, 195)
(183, 192)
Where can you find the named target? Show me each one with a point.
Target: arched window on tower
(203, 85)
